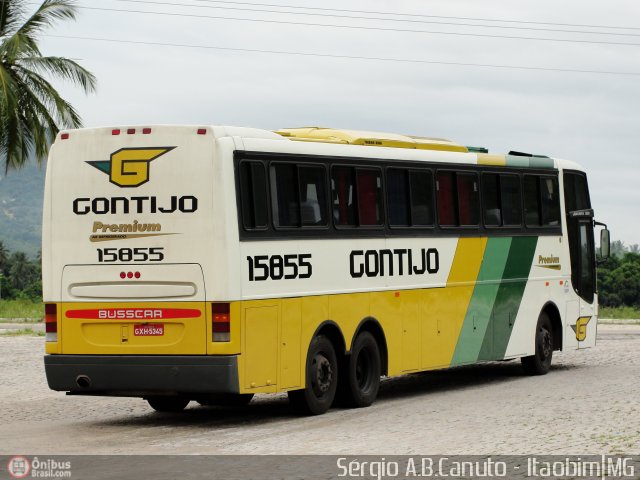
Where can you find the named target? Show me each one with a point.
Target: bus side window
(549, 201)
(446, 200)
(531, 201)
(468, 199)
(491, 200)
(313, 195)
(253, 195)
(342, 191)
(369, 187)
(398, 197)
(421, 184)
(285, 203)
(510, 199)
(410, 198)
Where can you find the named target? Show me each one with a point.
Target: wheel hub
(323, 377)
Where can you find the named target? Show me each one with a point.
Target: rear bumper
(141, 375)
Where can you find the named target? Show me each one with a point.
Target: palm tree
(31, 110)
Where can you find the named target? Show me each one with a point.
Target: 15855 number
(154, 254)
(277, 267)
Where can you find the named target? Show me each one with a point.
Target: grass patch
(23, 331)
(23, 309)
(619, 313)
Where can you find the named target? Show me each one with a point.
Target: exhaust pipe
(83, 381)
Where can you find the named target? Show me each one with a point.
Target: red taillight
(146, 131)
(202, 131)
(115, 131)
(64, 136)
(221, 322)
(51, 322)
(131, 131)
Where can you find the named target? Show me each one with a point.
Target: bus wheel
(168, 404)
(226, 400)
(321, 379)
(540, 362)
(362, 382)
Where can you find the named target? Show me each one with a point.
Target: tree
(4, 258)
(31, 110)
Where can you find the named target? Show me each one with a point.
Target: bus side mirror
(605, 244)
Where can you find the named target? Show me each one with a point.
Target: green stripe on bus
(509, 297)
(531, 162)
(479, 310)
(540, 162)
(516, 161)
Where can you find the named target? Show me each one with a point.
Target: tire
(168, 404)
(227, 400)
(540, 362)
(321, 379)
(360, 381)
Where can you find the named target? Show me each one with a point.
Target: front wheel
(540, 362)
(168, 404)
(321, 379)
(362, 382)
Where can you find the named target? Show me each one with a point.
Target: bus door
(582, 253)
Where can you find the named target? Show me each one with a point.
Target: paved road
(588, 404)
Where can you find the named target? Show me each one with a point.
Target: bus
(210, 263)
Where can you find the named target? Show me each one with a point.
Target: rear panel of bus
(127, 228)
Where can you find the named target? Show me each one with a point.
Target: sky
(591, 118)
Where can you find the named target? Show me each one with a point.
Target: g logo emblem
(581, 328)
(129, 167)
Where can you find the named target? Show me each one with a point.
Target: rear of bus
(128, 232)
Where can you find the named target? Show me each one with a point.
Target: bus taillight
(221, 322)
(51, 322)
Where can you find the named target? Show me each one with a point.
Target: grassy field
(620, 313)
(23, 331)
(23, 309)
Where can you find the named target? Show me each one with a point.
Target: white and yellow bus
(208, 264)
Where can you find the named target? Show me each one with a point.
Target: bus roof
(340, 138)
(377, 139)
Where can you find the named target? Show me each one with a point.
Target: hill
(21, 195)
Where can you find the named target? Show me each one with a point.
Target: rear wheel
(361, 380)
(540, 362)
(321, 379)
(168, 404)
(226, 400)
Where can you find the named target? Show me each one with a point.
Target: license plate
(156, 330)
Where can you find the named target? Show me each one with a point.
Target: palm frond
(31, 110)
(11, 14)
(63, 68)
(47, 14)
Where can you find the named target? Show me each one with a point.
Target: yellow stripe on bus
(447, 307)
(488, 159)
